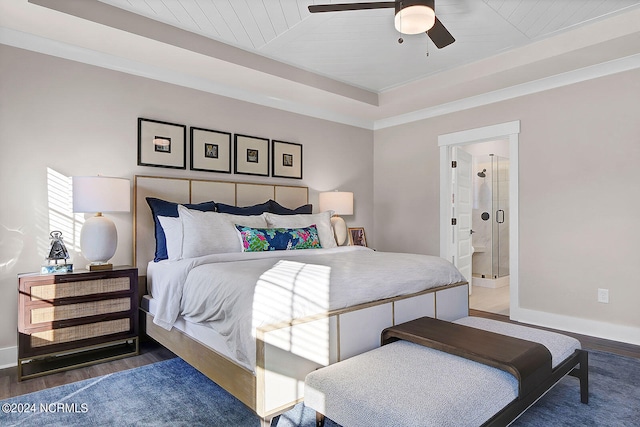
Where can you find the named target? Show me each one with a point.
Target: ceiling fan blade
(339, 7)
(440, 36)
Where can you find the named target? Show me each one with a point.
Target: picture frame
(251, 155)
(286, 160)
(357, 236)
(210, 150)
(162, 144)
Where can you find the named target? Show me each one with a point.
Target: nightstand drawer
(74, 311)
(79, 332)
(56, 291)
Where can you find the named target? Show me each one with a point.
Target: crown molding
(46, 46)
(564, 79)
(103, 60)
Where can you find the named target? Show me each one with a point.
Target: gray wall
(75, 119)
(579, 204)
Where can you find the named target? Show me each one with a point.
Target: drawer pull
(63, 279)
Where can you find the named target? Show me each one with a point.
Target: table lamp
(99, 237)
(341, 203)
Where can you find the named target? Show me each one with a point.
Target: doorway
(497, 250)
(490, 221)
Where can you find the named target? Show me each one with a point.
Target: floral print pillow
(278, 239)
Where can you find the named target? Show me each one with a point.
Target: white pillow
(321, 220)
(172, 228)
(207, 233)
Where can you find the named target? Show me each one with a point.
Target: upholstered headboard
(185, 190)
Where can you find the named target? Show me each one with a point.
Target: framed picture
(251, 155)
(162, 144)
(357, 237)
(286, 160)
(210, 150)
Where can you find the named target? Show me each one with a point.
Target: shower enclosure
(490, 218)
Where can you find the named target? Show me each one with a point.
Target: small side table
(69, 320)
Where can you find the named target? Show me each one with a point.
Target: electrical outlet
(603, 295)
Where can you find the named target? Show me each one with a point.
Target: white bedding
(235, 293)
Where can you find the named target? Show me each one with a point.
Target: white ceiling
(346, 67)
(361, 47)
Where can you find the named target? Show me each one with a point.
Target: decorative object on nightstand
(76, 319)
(341, 203)
(357, 237)
(99, 237)
(57, 252)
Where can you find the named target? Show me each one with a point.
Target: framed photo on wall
(210, 150)
(162, 144)
(286, 159)
(251, 155)
(357, 237)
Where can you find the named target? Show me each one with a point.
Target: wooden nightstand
(76, 319)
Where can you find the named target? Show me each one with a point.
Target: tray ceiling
(361, 47)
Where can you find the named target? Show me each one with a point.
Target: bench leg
(582, 374)
(319, 419)
(584, 377)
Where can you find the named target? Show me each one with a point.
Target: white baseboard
(500, 282)
(8, 357)
(593, 328)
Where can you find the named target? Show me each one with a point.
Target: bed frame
(285, 352)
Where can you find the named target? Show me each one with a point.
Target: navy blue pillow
(244, 210)
(161, 207)
(278, 209)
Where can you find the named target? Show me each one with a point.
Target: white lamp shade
(415, 19)
(101, 194)
(340, 202)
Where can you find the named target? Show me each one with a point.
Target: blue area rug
(168, 393)
(172, 393)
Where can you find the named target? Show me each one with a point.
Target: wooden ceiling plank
(180, 14)
(276, 15)
(197, 14)
(248, 22)
(291, 12)
(219, 27)
(228, 14)
(263, 21)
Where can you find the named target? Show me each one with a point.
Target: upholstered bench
(407, 383)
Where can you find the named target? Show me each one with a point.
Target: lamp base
(99, 267)
(98, 239)
(339, 229)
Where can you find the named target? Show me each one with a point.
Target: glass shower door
(500, 226)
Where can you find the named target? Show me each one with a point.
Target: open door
(461, 200)
(450, 207)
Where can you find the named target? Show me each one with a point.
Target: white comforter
(236, 293)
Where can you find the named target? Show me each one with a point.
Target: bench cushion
(406, 384)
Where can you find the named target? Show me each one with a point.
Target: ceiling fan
(412, 17)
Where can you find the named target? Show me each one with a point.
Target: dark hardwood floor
(587, 342)
(151, 352)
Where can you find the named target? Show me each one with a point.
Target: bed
(305, 308)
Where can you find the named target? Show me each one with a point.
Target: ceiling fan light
(415, 19)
